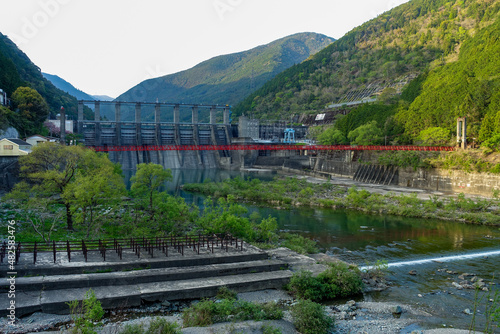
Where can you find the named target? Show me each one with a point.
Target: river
(437, 251)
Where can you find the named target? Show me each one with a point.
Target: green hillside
(468, 87)
(397, 46)
(17, 70)
(229, 78)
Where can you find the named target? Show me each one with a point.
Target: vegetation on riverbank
(72, 193)
(288, 191)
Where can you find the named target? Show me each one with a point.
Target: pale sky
(105, 47)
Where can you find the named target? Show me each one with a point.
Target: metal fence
(151, 247)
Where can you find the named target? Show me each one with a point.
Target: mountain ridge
(404, 41)
(16, 70)
(67, 87)
(226, 79)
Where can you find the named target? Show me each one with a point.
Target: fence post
(54, 249)
(68, 249)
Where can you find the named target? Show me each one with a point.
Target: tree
(331, 136)
(31, 110)
(51, 168)
(435, 136)
(367, 134)
(96, 186)
(4, 118)
(147, 180)
(41, 212)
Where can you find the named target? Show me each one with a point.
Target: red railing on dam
(268, 147)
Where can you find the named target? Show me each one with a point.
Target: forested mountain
(17, 70)
(229, 78)
(468, 87)
(448, 48)
(67, 87)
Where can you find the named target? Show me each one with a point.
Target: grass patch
(311, 318)
(208, 312)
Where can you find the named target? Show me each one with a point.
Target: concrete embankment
(133, 281)
(363, 167)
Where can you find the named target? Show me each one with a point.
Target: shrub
(310, 318)
(198, 315)
(305, 286)
(226, 293)
(341, 280)
(272, 311)
(299, 244)
(86, 313)
(208, 312)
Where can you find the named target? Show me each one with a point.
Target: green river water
(430, 247)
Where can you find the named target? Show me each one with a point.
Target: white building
(38, 139)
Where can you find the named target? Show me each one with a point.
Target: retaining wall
(346, 164)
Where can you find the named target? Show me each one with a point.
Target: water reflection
(361, 238)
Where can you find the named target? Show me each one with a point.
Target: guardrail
(269, 147)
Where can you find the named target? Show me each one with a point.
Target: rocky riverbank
(350, 317)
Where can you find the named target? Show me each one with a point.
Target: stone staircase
(48, 286)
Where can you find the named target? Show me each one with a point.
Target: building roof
(38, 136)
(18, 141)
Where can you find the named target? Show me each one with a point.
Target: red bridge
(268, 147)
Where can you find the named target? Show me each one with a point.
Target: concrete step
(57, 282)
(55, 301)
(46, 267)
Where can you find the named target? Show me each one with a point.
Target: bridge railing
(270, 147)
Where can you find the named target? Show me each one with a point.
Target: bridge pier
(80, 117)
(118, 125)
(62, 127)
(97, 126)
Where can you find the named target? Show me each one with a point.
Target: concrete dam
(165, 129)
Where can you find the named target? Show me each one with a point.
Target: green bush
(311, 318)
(208, 312)
(339, 280)
(86, 313)
(299, 244)
(198, 315)
(304, 285)
(226, 293)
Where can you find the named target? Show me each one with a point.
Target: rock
(467, 311)
(396, 310)
(412, 272)
(419, 295)
(165, 303)
(458, 286)
(351, 303)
